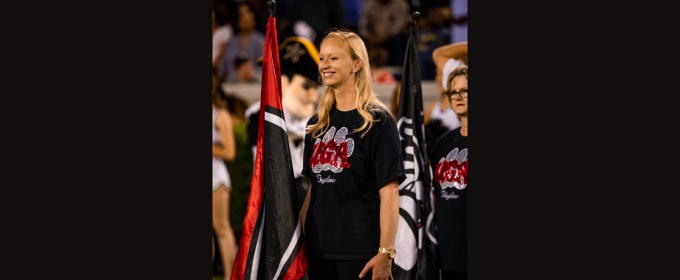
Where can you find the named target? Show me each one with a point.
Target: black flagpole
(271, 8)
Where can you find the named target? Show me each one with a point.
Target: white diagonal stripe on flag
(258, 248)
(291, 246)
(275, 120)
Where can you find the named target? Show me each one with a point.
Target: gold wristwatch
(391, 253)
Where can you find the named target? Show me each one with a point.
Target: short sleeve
(386, 151)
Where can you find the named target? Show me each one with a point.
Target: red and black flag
(272, 244)
(416, 240)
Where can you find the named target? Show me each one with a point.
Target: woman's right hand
(381, 266)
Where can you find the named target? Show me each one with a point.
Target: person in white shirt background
(459, 11)
(222, 33)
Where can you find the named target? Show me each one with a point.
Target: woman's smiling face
(335, 62)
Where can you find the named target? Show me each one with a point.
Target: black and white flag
(416, 240)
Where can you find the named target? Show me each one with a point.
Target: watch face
(393, 254)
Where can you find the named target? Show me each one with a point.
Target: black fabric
(275, 112)
(321, 269)
(321, 16)
(454, 275)
(415, 155)
(301, 192)
(343, 219)
(449, 166)
(253, 122)
(253, 246)
(280, 199)
(433, 130)
(296, 58)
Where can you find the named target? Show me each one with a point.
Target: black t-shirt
(449, 162)
(347, 171)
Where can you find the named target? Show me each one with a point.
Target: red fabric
(299, 266)
(271, 96)
(382, 76)
(254, 202)
(271, 75)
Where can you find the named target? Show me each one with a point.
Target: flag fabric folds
(416, 240)
(272, 243)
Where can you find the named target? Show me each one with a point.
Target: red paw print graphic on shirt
(331, 153)
(452, 171)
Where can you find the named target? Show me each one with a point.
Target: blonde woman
(353, 157)
(224, 148)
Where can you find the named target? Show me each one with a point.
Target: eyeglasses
(463, 93)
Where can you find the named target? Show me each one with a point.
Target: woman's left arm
(389, 219)
(227, 150)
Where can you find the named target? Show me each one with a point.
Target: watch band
(391, 253)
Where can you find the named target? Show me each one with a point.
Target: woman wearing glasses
(449, 162)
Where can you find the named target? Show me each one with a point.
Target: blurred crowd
(238, 44)
(239, 29)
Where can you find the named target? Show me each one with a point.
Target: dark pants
(454, 275)
(320, 269)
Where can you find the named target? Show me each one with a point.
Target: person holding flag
(272, 245)
(449, 162)
(352, 156)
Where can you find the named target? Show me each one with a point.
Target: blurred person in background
(449, 163)
(222, 33)
(248, 43)
(230, 6)
(241, 168)
(353, 8)
(382, 23)
(237, 107)
(394, 107)
(299, 61)
(244, 72)
(432, 33)
(459, 11)
(446, 59)
(284, 18)
(439, 117)
(379, 74)
(321, 15)
(223, 149)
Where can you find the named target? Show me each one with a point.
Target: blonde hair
(366, 101)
